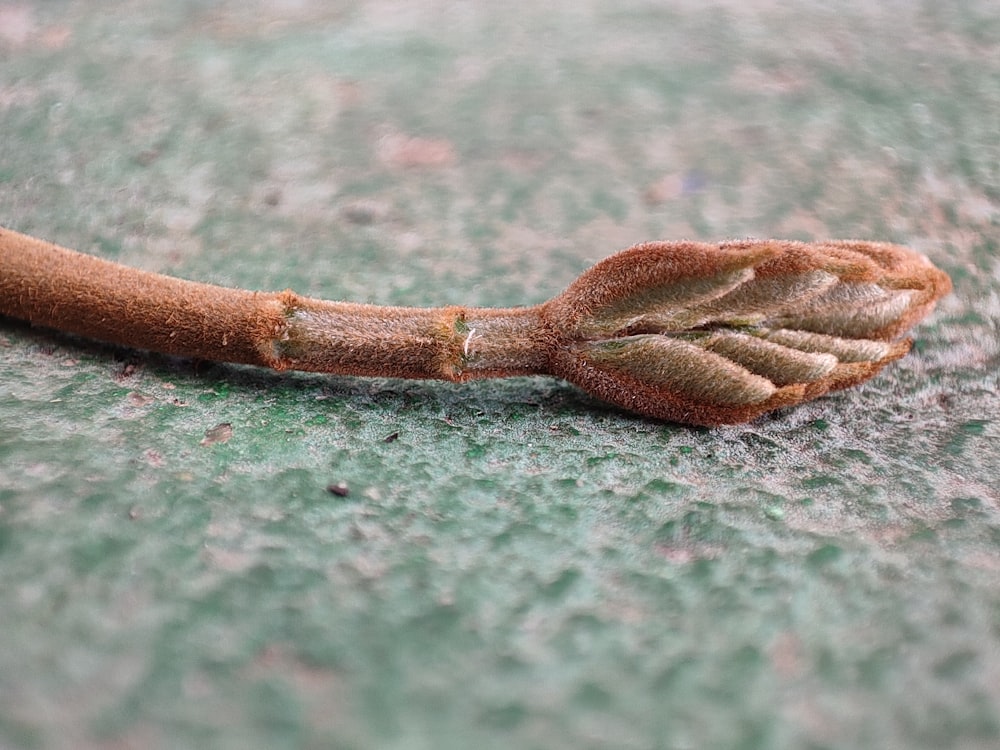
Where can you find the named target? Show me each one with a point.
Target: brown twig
(689, 332)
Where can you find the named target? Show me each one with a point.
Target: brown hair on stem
(689, 332)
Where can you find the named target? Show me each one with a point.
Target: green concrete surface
(514, 565)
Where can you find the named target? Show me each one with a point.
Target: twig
(684, 331)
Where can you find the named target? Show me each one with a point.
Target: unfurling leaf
(714, 334)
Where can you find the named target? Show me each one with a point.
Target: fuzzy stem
(450, 343)
(59, 288)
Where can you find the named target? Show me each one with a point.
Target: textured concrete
(513, 565)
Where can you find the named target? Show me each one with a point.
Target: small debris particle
(56, 37)
(786, 656)
(221, 433)
(664, 190)
(391, 438)
(673, 186)
(137, 399)
(349, 93)
(363, 212)
(127, 371)
(340, 489)
(134, 513)
(774, 513)
(147, 156)
(403, 151)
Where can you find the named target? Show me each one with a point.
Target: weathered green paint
(521, 566)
